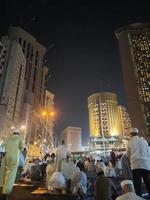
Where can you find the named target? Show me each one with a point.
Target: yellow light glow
(52, 113)
(44, 113)
(23, 127)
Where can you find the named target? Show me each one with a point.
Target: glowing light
(23, 127)
(44, 113)
(52, 113)
(12, 127)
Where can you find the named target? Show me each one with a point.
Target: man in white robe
(13, 145)
(61, 154)
(128, 190)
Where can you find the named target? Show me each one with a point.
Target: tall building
(125, 122)
(134, 43)
(34, 81)
(49, 118)
(72, 138)
(11, 85)
(2, 56)
(104, 118)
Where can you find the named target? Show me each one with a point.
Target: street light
(52, 114)
(44, 113)
(23, 127)
(47, 114)
(44, 140)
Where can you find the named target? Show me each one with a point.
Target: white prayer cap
(16, 130)
(134, 130)
(126, 182)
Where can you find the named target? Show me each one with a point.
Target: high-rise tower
(34, 81)
(134, 43)
(13, 65)
(104, 118)
(125, 122)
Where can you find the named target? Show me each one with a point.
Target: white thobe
(13, 146)
(61, 154)
(138, 153)
(129, 196)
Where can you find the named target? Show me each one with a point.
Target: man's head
(16, 131)
(127, 186)
(134, 132)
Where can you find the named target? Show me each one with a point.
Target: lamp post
(47, 115)
(26, 127)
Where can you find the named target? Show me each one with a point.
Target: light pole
(47, 115)
(26, 126)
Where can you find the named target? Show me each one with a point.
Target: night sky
(83, 55)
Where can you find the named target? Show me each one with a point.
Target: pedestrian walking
(61, 154)
(13, 145)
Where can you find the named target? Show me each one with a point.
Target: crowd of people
(87, 177)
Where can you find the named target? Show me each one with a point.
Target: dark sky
(83, 55)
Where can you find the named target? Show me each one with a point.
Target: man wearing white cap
(139, 156)
(104, 187)
(128, 190)
(13, 145)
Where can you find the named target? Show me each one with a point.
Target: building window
(20, 40)
(34, 77)
(37, 53)
(28, 47)
(31, 55)
(24, 44)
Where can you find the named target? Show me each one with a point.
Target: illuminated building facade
(2, 56)
(104, 118)
(72, 138)
(125, 122)
(11, 85)
(134, 43)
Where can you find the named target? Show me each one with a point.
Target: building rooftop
(132, 27)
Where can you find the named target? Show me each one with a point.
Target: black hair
(16, 133)
(100, 173)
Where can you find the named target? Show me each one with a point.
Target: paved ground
(21, 192)
(24, 193)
